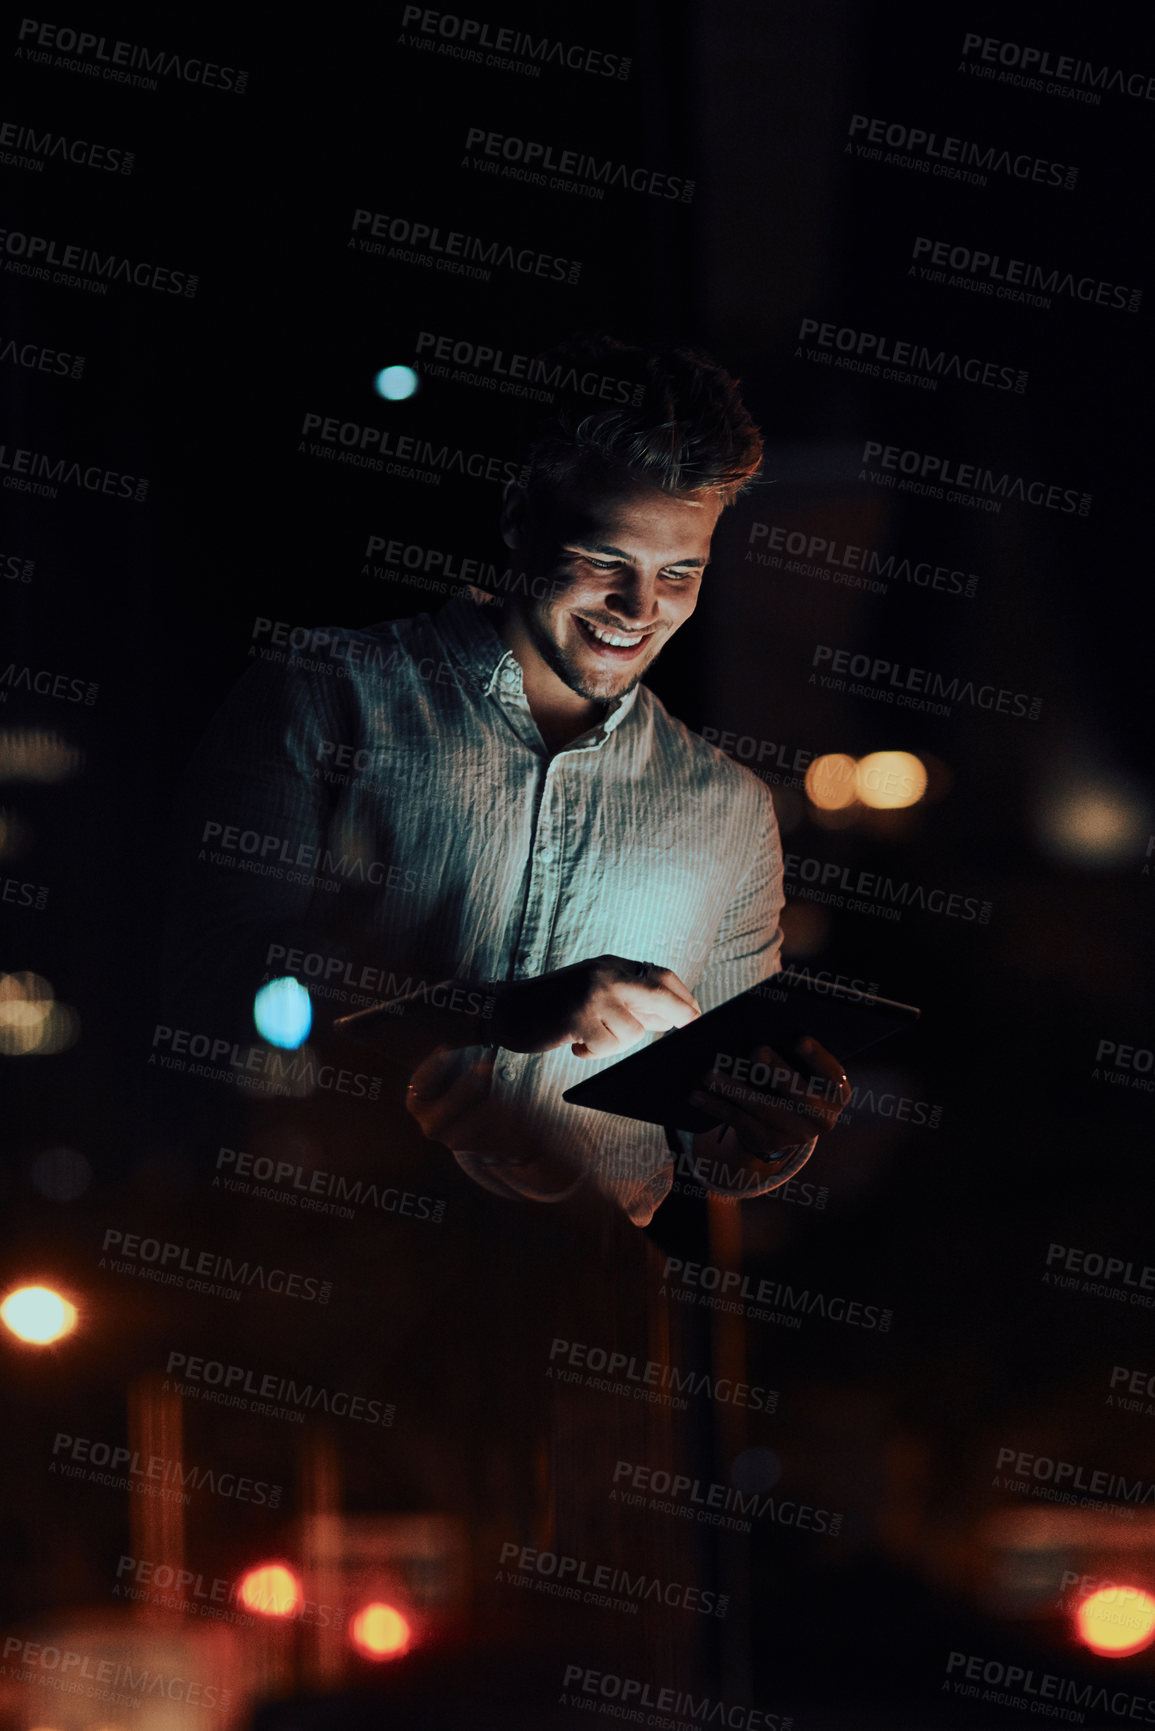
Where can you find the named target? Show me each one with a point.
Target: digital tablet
(652, 1084)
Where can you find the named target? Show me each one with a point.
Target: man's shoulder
(707, 766)
(294, 670)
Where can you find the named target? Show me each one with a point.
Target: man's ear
(513, 514)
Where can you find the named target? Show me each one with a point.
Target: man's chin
(594, 679)
(587, 676)
(598, 686)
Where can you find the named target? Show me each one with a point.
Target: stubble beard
(603, 688)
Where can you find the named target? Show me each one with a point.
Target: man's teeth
(614, 638)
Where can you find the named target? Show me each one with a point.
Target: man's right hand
(600, 1007)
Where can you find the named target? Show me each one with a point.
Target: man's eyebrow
(620, 553)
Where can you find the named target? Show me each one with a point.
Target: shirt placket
(544, 884)
(541, 898)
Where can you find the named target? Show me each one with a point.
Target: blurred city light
(35, 754)
(38, 1315)
(283, 1013)
(31, 1021)
(1116, 1621)
(889, 780)
(271, 1589)
(1100, 822)
(396, 383)
(830, 782)
(379, 1631)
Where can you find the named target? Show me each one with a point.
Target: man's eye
(616, 565)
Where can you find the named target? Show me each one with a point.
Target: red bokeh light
(272, 1590)
(379, 1631)
(1116, 1621)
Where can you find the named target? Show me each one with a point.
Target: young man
(561, 866)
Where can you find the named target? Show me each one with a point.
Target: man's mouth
(617, 645)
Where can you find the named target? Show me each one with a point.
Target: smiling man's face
(623, 570)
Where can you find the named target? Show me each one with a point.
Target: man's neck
(562, 715)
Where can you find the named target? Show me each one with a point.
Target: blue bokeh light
(283, 1013)
(395, 383)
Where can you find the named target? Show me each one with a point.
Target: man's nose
(633, 597)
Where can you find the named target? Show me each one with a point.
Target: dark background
(949, 1227)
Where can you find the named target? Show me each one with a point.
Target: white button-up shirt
(409, 813)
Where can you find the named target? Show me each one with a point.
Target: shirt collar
(472, 640)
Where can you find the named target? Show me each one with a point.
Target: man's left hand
(786, 1106)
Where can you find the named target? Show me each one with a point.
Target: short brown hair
(682, 428)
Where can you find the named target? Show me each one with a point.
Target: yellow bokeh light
(38, 1315)
(1089, 823)
(1116, 1621)
(24, 1012)
(272, 1589)
(889, 780)
(380, 1631)
(830, 782)
(34, 754)
(22, 988)
(31, 1021)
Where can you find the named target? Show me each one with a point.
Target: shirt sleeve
(748, 949)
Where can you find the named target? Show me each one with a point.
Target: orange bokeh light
(889, 780)
(1116, 1621)
(379, 1631)
(272, 1590)
(830, 782)
(38, 1315)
